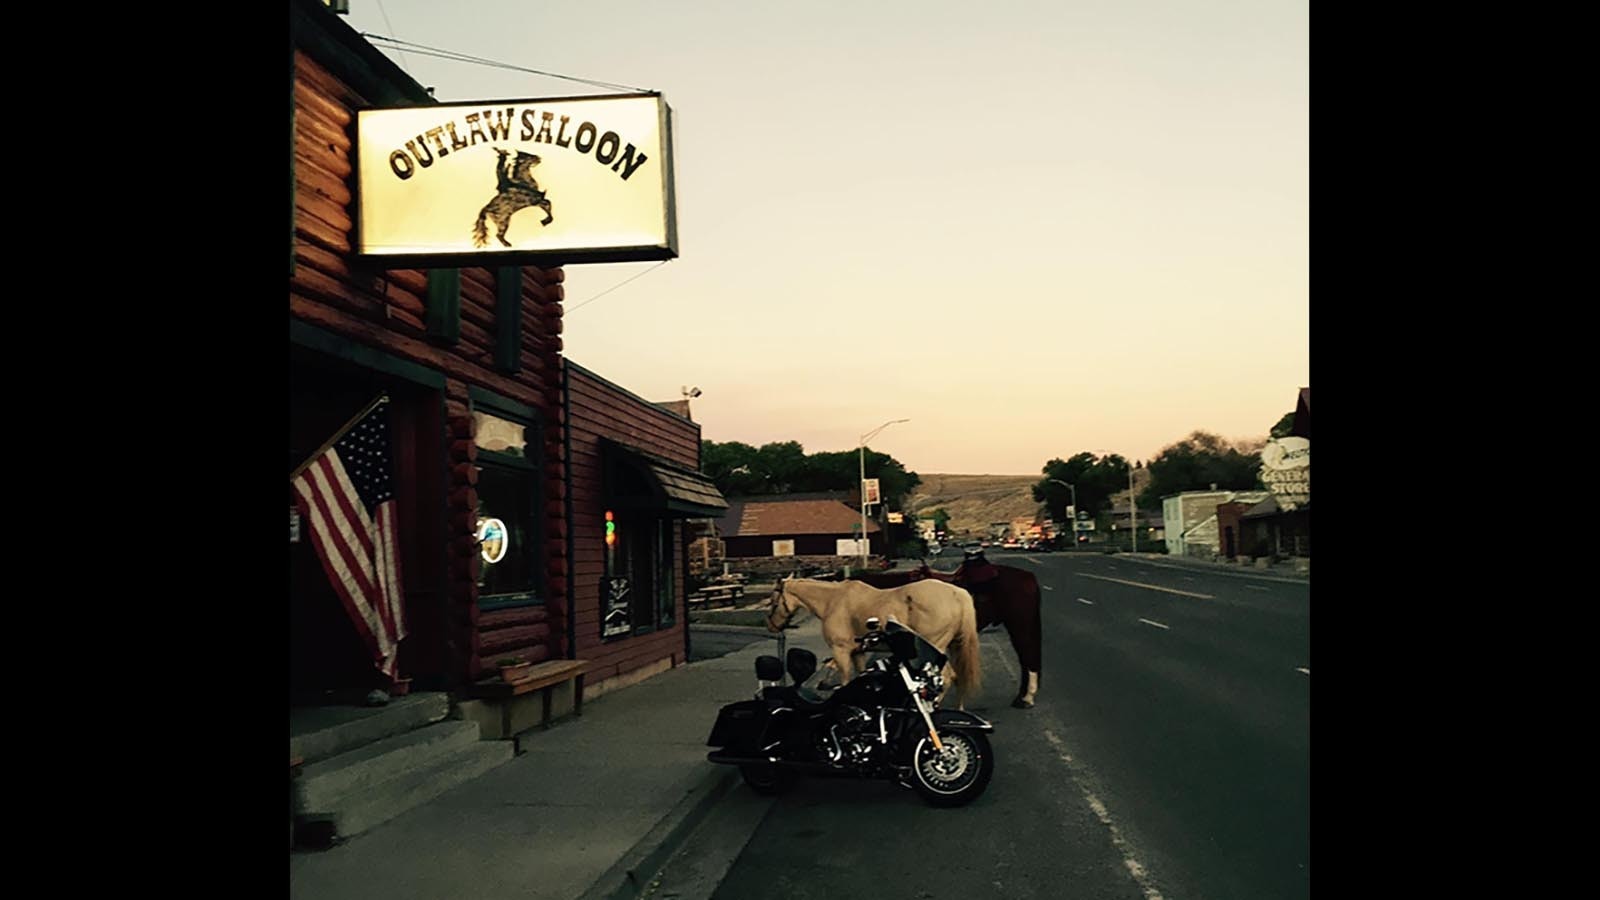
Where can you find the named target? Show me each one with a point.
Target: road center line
(1034, 561)
(1081, 600)
(1140, 876)
(1047, 587)
(1255, 587)
(1157, 624)
(1153, 587)
(1303, 671)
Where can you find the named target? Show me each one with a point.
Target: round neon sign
(492, 540)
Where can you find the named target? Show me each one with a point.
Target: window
(639, 555)
(509, 526)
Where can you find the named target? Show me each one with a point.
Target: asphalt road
(1168, 755)
(1185, 699)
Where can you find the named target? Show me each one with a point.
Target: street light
(1070, 523)
(1133, 512)
(861, 452)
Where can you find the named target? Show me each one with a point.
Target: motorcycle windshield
(909, 647)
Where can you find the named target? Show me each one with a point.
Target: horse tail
(480, 231)
(967, 657)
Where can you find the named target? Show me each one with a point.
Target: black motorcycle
(883, 724)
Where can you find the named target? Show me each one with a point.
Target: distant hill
(974, 501)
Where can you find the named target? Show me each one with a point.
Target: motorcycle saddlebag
(739, 725)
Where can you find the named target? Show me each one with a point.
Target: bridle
(779, 595)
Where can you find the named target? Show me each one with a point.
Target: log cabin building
(489, 423)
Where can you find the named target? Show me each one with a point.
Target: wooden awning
(634, 480)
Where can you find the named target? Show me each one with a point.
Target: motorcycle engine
(851, 737)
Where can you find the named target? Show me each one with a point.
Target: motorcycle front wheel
(957, 775)
(769, 780)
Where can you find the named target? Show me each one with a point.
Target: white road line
(1081, 600)
(1255, 587)
(1140, 876)
(1047, 587)
(1303, 671)
(1036, 562)
(1153, 587)
(1156, 624)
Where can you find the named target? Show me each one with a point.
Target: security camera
(690, 392)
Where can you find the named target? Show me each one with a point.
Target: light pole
(1071, 519)
(1133, 512)
(861, 453)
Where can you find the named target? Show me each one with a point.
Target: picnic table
(711, 594)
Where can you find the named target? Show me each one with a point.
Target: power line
(478, 60)
(572, 309)
(391, 28)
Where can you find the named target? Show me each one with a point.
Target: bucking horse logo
(516, 191)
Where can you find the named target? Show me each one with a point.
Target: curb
(1236, 571)
(630, 876)
(752, 630)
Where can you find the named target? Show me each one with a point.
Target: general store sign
(585, 179)
(1286, 471)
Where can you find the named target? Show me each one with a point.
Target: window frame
(532, 465)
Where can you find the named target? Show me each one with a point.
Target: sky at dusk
(1032, 229)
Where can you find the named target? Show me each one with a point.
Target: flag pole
(381, 398)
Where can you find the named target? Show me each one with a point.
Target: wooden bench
(543, 677)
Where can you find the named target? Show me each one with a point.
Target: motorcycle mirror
(872, 623)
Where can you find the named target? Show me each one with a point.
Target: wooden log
(406, 321)
(308, 98)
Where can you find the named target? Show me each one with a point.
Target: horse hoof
(1019, 703)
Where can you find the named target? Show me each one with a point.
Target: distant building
(1190, 520)
(797, 525)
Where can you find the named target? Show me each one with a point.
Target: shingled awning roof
(781, 518)
(637, 481)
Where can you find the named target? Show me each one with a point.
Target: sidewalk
(1283, 571)
(591, 799)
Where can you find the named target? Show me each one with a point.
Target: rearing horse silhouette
(516, 190)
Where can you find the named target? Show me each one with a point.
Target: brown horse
(1004, 595)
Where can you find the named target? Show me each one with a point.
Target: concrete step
(324, 785)
(327, 733)
(363, 811)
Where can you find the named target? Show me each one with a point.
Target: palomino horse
(942, 613)
(1005, 595)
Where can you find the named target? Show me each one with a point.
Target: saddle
(975, 571)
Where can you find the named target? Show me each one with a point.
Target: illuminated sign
(582, 179)
(492, 540)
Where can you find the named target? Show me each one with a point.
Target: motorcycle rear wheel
(957, 776)
(769, 780)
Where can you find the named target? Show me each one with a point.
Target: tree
(1195, 464)
(1096, 479)
(783, 467)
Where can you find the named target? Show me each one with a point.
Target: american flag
(347, 497)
